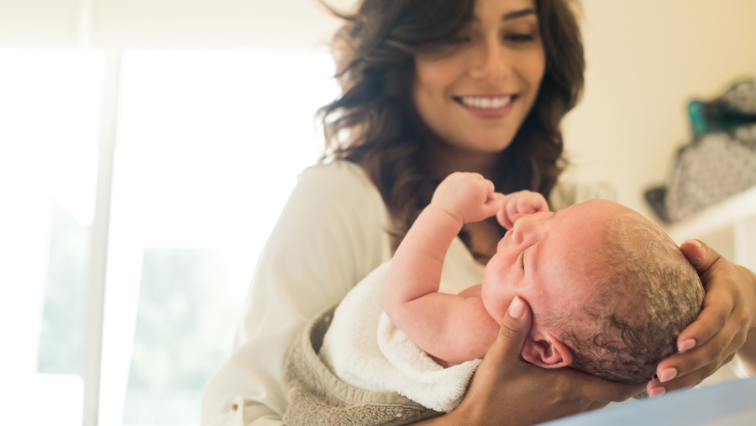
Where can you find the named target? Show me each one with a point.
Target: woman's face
(476, 95)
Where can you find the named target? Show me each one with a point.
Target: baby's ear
(544, 350)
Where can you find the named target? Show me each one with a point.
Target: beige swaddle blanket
(317, 397)
(352, 366)
(365, 349)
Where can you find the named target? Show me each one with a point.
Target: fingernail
(686, 345)
(695, 243)
(668, 374)
(657, 391)
(516, 309)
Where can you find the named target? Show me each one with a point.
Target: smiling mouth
(485, 102)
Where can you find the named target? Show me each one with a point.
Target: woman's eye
(460, 40)
(519, 38)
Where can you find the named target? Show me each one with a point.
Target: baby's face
(546, 259)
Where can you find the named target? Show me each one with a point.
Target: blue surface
(686, 408)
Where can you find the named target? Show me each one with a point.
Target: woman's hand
(728, 314)
(508, 390)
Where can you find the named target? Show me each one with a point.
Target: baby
(609, 290)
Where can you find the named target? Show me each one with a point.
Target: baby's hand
(467, 196)
(519, 204)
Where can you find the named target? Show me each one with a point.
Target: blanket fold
(317, 397)
(366, 350)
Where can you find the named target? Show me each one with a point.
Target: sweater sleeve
(567, 193)
(329, 236)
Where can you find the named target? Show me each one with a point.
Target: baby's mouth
(485, 102)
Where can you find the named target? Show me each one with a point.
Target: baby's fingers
(532, 202)
(526, 205)
(495, 198)
(493, 204)
(502, 215)
(518, 207)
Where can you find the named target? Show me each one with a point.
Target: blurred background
(147, 148)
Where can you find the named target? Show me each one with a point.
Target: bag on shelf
(721, 160)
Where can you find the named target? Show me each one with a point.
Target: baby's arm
(453, 328)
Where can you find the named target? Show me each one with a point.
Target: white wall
(646, 59)
(288, 24)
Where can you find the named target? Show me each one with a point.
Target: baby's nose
(523, 229)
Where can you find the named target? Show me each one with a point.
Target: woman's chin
(486, 146)
(490, 142)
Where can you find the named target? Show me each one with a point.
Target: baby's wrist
(448, 212)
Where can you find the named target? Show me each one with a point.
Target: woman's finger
(719, 301)
(514, 329)
(541, 395)
(683, 381)
(656, 388)
(699, 255)
(681, 364)
(503, 375)
(718, 307)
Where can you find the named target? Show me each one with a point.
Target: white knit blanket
(364, 349)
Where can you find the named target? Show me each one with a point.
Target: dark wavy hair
(375, 124)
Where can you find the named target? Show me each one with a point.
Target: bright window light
(207, 151)
(50, 103)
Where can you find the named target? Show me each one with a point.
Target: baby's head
(610, 291)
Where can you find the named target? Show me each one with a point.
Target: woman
(431, 87)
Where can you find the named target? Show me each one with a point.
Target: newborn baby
(609, 291)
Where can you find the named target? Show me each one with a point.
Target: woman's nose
(491, 62)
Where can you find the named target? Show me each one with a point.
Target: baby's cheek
(501, 302)
(539, 301)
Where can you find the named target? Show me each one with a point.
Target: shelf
(729, 212)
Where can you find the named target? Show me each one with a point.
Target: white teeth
(486, 103)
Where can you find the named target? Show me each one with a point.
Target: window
(208, 148)
(50, 103)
